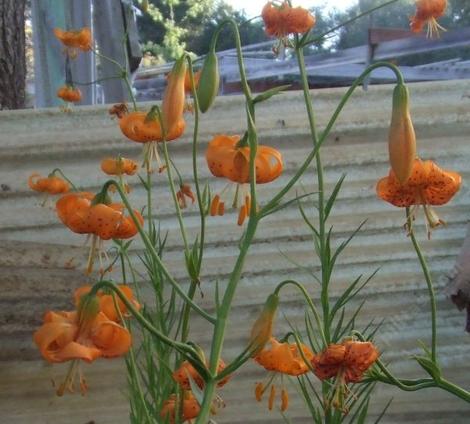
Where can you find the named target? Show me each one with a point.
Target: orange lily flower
(282, 20)
(347, 362)
(427, 186)
(69, 94)
(86, 335)
(281, 358)
(185, 191)
(108, 302)
(119, 166)
(143, 127)
(427, 13)
(74, 40)
(186, 370)
(227, 159)
(102, 221)
(191, 408)
(50, 185)
(350, 360)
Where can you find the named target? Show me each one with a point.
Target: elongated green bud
(401, 139)
(262, 329)
(209, 82)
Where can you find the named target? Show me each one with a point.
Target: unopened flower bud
(208, 82)
(262, 329)
(401, 139)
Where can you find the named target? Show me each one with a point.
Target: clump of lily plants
(172, 378)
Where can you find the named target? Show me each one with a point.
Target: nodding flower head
(82, 335)
(427, 186)
(427, 13)
(347, 362)
(282, 359)
(82, 214)
(75, 40)
(69, 94)
(227, 158)
(50, 184)
(280, 20)
(191, 408)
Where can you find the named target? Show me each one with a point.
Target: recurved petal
(442, 185)
(53, 336)
(76, 350)
(111, 338)
(389, 190)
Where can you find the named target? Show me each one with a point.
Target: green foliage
(168, 23)
(250, 31)
(171, 26)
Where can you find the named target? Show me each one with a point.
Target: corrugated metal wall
(35, 249)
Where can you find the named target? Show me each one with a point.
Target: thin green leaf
(265, 95)
(382, 414)
(334, 194)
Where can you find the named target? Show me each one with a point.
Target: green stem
(124, 74)
(222, 315)
(326, 132)
(432, 296)
(194, 281)
(151, 250)
(175, 199)
(202, 212)
(181, 347)
(54, 171)
(148, 188)
(309, 301)
(321, 195)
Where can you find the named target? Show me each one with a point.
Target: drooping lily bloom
(191, 408)
(75, 40)
(83, 335)
(427, 13)
(49, 185)
(282, 20)
(119, 166)
(227, 159)
(69, 94)
(427, 186)
(103, 221)
(186, 371)
(347, 362)
(108, 302)
(143, 127)
(281, 358)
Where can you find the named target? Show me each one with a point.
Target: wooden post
(83, 67)
(113, 20)
(49, 61)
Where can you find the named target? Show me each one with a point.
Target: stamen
(432, 220)
(242, 215)
(68, 383)
(221, 209)
(271, 397)
(284, 400)
(215, 205)
(259, 391)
